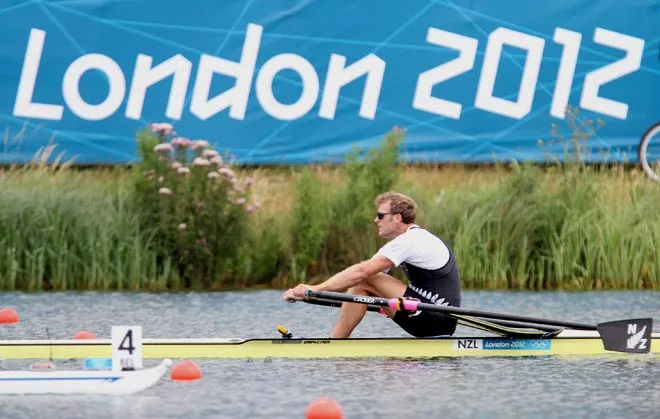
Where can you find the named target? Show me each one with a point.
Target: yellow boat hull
(584, 343)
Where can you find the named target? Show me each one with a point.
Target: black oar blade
(631, 336)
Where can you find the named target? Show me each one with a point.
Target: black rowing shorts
(426, 323)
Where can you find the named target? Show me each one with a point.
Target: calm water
(572, 387)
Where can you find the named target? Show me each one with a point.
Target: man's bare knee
(384, 285)
(360, 289)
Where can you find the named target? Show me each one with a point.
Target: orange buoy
(8, 315)
(324, 408)
(84, 334)
(185, 371)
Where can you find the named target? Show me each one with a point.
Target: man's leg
(351, 314)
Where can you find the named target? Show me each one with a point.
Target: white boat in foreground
(81, 382)
(125, 375)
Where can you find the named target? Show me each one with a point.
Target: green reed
(68, 230)
(552, 230)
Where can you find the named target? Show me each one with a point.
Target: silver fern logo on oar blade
(636, 339)
(632, 335)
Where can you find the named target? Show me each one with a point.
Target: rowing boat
(516, 336)
(123, 375)
(81, 382)
(568, 342)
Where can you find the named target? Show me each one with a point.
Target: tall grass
(515, 226)
(66, 230)
(332, 223)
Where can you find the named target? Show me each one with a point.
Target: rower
(427, 261)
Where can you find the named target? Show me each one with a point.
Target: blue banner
(299, 81)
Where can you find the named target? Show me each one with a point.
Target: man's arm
(355, 274)
(345, 279)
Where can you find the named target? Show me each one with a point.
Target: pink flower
(180, 142)
(213, 175)
(165, 191)
(199, 144)
(161, 128)
(227, 172)
(252, 207)
(200, 161)
(183, 170)
(209, 153)
(163, 148)
(240, 201)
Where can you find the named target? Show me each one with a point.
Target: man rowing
(427, 261)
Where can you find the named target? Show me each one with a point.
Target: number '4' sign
(127, 343)
(126, 347)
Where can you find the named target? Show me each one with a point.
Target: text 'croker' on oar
(631, 335)
(337, 304)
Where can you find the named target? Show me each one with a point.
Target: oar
(465, 320)
(493, 326)
(413, 305)
(498, 327)
(511, 323)
(632, 335)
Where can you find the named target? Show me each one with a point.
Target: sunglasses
(380, 215)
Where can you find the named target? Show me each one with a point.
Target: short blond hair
(399, 204)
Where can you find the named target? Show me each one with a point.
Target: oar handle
(402, 304)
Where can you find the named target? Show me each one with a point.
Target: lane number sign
(126, 348)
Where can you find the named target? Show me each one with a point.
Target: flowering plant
(195, 203)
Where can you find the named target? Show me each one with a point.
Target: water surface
(539, 387)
